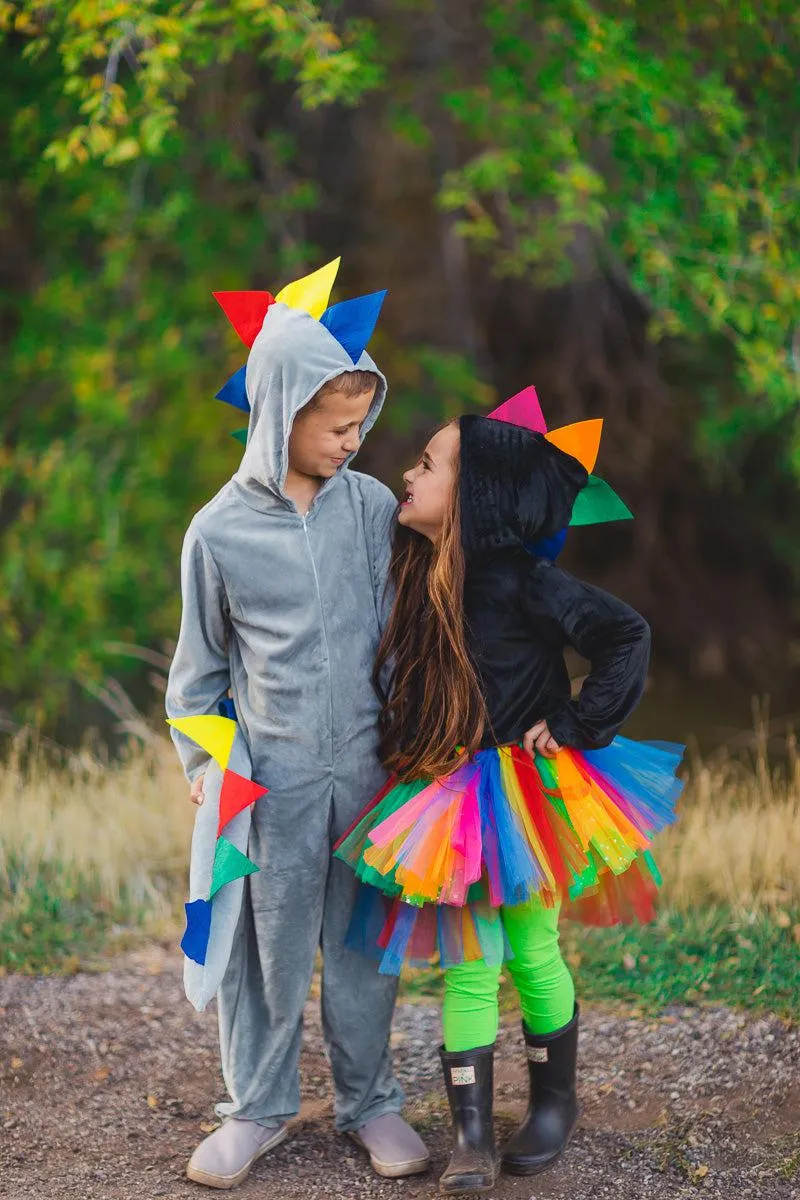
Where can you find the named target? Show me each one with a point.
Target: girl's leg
(469, 1008)
(550, 1027)
(542, 978)
(469, 1023)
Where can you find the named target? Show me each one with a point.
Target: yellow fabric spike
(214, 734)
(313, 291)
(581, 440)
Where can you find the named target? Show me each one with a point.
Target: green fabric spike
(240, 435)
(229, 864)
(598, 503)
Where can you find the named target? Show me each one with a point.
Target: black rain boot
(553, 1107)
(469, 1079)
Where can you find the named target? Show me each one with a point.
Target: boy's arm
(380, 513)
(199, 676)
(616, 641)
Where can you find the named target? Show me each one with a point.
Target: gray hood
(290, 360)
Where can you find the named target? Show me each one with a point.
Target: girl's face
(429, 485)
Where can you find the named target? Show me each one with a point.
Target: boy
(283, 574)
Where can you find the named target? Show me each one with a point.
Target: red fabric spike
(237, 793)
(245, 311)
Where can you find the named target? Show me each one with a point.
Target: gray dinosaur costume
(285, 610)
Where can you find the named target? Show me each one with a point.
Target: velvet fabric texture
(285, 610)
(522, 612)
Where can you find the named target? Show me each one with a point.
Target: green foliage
(52, 920)
(660, 142)
(126, 64)
(131, 221)
(150, 156)
(709, 956)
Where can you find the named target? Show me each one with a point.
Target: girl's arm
(616, 641)
(199, 676)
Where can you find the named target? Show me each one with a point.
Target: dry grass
(123, 831)
(737, 840)
(126, 830)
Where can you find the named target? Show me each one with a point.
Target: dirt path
(107, 1080)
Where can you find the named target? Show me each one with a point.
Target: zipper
(324, 630)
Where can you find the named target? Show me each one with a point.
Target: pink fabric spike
(523, 409)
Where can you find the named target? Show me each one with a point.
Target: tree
(120, 221)
(660, 144)
(153, 151)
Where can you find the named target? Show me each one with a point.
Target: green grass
(54, 921)
(704, 957)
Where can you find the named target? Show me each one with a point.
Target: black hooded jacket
(522, 612)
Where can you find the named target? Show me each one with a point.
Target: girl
(508, 798)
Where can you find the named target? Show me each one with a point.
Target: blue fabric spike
(198, 928)
(225, 708)
(352, 321)
(548, 547)
(234, 391)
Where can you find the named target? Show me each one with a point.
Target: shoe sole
(225, 1182)
(414, 1166)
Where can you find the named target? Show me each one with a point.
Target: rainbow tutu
(443, 858)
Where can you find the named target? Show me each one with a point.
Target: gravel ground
(107, 1083)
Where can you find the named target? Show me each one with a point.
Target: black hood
(515, 486)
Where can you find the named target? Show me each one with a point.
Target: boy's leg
(266, 984)
(357, 1008)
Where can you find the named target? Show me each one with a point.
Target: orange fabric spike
(581, 440)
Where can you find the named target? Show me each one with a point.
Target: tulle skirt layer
(443, 858)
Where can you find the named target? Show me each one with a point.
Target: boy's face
(323, 438)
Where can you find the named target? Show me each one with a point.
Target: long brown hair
(435, 703)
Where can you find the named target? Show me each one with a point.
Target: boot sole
(481, 1189)
(520, 1169)
(413, 1166)
(225, 1182)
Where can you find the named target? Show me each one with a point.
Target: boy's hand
(196, 792)
(540, 740)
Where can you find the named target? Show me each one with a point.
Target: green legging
(546, 992)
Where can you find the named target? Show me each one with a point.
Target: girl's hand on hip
(196, 794)
(539, 740)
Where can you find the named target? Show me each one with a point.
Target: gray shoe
(394, 1148)
(225, 1157)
